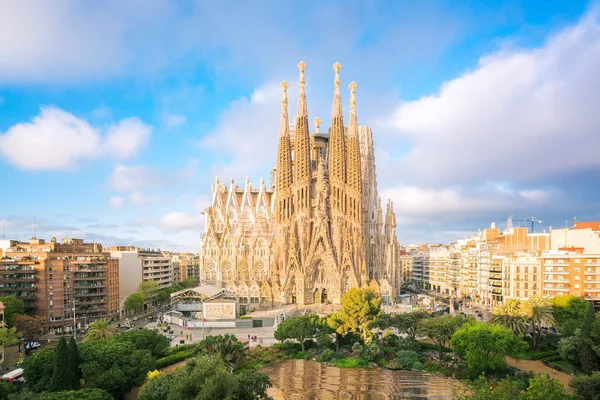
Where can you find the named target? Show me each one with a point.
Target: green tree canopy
(148, 288)
(31, 327)
(206, 378)
(83, 394)
(145, 339)
(62, 378)
(538, 313)
(189, 282)
(441, 329)
(74, 362)
(510, 314)
(38, 369)
(360, 308)
(12, 307)
(483, 346)
(9, 337)
(568, 307)
(299, 328)
(587, 387)
(588, 359)
(100, 330)
(114, 366)
(407, 323)
(226, 346)
(135, 301)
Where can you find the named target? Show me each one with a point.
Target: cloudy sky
(116, 116)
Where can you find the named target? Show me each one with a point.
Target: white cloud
(520, 115)
(56, 139)
(127, 137)
(39, 41)
(248, 132)
(419, 206)
(173, 120)
(132, 178)
(179, 222)
(116, 202)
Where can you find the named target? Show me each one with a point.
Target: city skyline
(116, 135)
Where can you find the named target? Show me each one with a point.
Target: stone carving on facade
(318, 230)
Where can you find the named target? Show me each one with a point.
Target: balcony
(23, 270)
(91, 294)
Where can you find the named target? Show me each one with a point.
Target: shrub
(372, 352)
(326, 355)
(538, 355)
(417, 365)
(394, 365)
(324, 341)
(391, 339)
(357, 348)
(174, 358)
(302, 355)
(355, 362)
(409, 344)
(407, 358)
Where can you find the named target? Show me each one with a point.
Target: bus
(15, 375)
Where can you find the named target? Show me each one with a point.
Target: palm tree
(100, 330)
(537, 312)
(510, 316)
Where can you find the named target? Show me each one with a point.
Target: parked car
(32, 345)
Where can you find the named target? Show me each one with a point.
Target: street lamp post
(284, 303)
(74, 319)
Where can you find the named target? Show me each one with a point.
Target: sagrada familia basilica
(319, 228)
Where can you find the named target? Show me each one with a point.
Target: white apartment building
(522, 277)
(141, 265)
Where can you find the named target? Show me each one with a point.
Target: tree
(334, 322)
(204, 378)
(12, 307)
(588, 359)
(537, 312)
(189, 282)
(9, 337)
(61, 377)
(542, 387)
(226, 346)
(587, 387)
(38, 369)
(298, 328)
(135, 301)
(484, 346)
(145, 339)
(100, 330)
(360, 308)
(568, 347)
(510, 315)
(31, 327)
(84, 394)
(407, 323)
(568, 307)
(441, 329)
(74, 363)
(148, 288)
(114, 366)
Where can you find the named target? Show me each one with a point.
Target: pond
(301, 379)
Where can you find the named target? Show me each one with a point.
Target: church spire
(302, 94)
(283, 181)
(337, 98)
(337, 148)
(353, 163)
(302, 164)
(284, 125)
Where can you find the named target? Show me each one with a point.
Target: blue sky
(115, 117)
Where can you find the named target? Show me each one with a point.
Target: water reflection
(300, 379)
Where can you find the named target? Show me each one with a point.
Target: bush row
(174, 358)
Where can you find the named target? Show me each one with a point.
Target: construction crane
(512, 219)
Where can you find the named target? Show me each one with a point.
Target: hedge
(174, 358)
(538, 355)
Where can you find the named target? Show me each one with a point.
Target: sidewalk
(539, 367)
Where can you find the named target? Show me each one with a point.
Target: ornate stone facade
(318, 230)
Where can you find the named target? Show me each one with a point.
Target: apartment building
(571, 272)
(66, 283)
(522, 276)
(141, 265)
(439, 257)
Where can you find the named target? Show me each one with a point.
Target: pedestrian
(248, 336)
